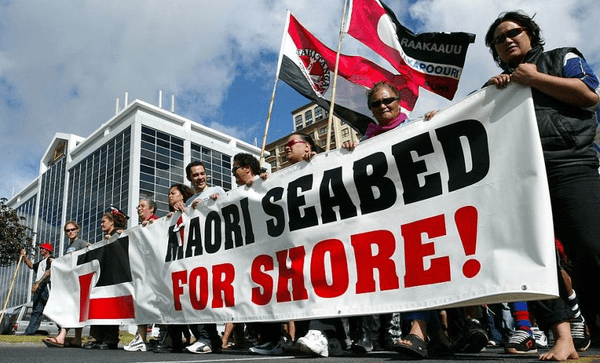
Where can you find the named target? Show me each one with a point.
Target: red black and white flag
(307, 65)
(433, 61)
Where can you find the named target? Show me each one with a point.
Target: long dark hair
(524, 21)
(186, 191)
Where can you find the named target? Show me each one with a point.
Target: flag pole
(11, 287)
(264, 142)
(335, 73)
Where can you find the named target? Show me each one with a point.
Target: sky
(63, 63)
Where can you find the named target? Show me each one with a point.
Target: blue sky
(63, 63)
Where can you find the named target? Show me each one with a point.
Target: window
(323, 130)
(308, 117)
(318, 113)
(298, 121)
(345, 132)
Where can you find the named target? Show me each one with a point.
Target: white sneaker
(541, 341)
(314, 342)
(199, 348)
(136, 345)
(269, 348)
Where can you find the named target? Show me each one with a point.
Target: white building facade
(139, 153)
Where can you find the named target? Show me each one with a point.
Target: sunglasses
(234, 169)
(70, 230)
(385, 101)
(294, 142)
(508, 34)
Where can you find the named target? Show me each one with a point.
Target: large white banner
(449, 212)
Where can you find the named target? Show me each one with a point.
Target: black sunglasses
(234, 169)
(385, 101)
(70, 230)
(508, 34)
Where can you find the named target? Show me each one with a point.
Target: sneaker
(476, 337)
(541, 341)
(315, 343)
(136, 345)
(581, 337)
(520, 342)
(269, 348)
(199, 348)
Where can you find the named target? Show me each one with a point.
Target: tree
(14, 236)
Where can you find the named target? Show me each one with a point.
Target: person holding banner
(107, 336)
(178, 194)
(41, 286)
(75, 243)
(145, 209)
(207, 338)
(565, 93)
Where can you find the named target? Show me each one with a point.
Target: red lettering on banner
(119, 307)
(415, 251)
(340, 278)
(223, 276)
(265, 282)
(294, 273)
(466, 223)
(179, 278)
(199, 288)
(367, 262)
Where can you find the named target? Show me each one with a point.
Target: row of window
(98, 182)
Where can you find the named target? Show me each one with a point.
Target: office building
(138, 153)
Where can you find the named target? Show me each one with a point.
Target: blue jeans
(39, 302)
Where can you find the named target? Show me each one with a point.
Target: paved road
(39, 353)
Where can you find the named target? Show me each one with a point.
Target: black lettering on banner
(340, 197)
(194, 241)
(295, 201)
(233, 231)
(276, 225)
(114, 262)
(410, 169)
(474, 132)
(365, 182)
(212, 232)
(247, 221)
(174, 251)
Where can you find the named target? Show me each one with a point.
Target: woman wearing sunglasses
(384, 101)
(565, 95)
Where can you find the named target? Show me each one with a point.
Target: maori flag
(307, 65)
(433, 61)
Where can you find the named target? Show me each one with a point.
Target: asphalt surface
(39, 353)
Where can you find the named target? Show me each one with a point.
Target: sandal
(417, 349)
(53, 343)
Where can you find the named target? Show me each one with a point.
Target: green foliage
(14, 236)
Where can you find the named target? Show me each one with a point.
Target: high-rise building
(312, 120)
(138, 153)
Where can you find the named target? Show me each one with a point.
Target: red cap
(46, 246)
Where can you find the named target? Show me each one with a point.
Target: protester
(107, 336)
(145, 209)
(41, 286)
(178, 193)
(72, 229)
(320, 340)
(565, 95)
(207, 338)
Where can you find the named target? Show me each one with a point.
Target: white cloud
(62, 63)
